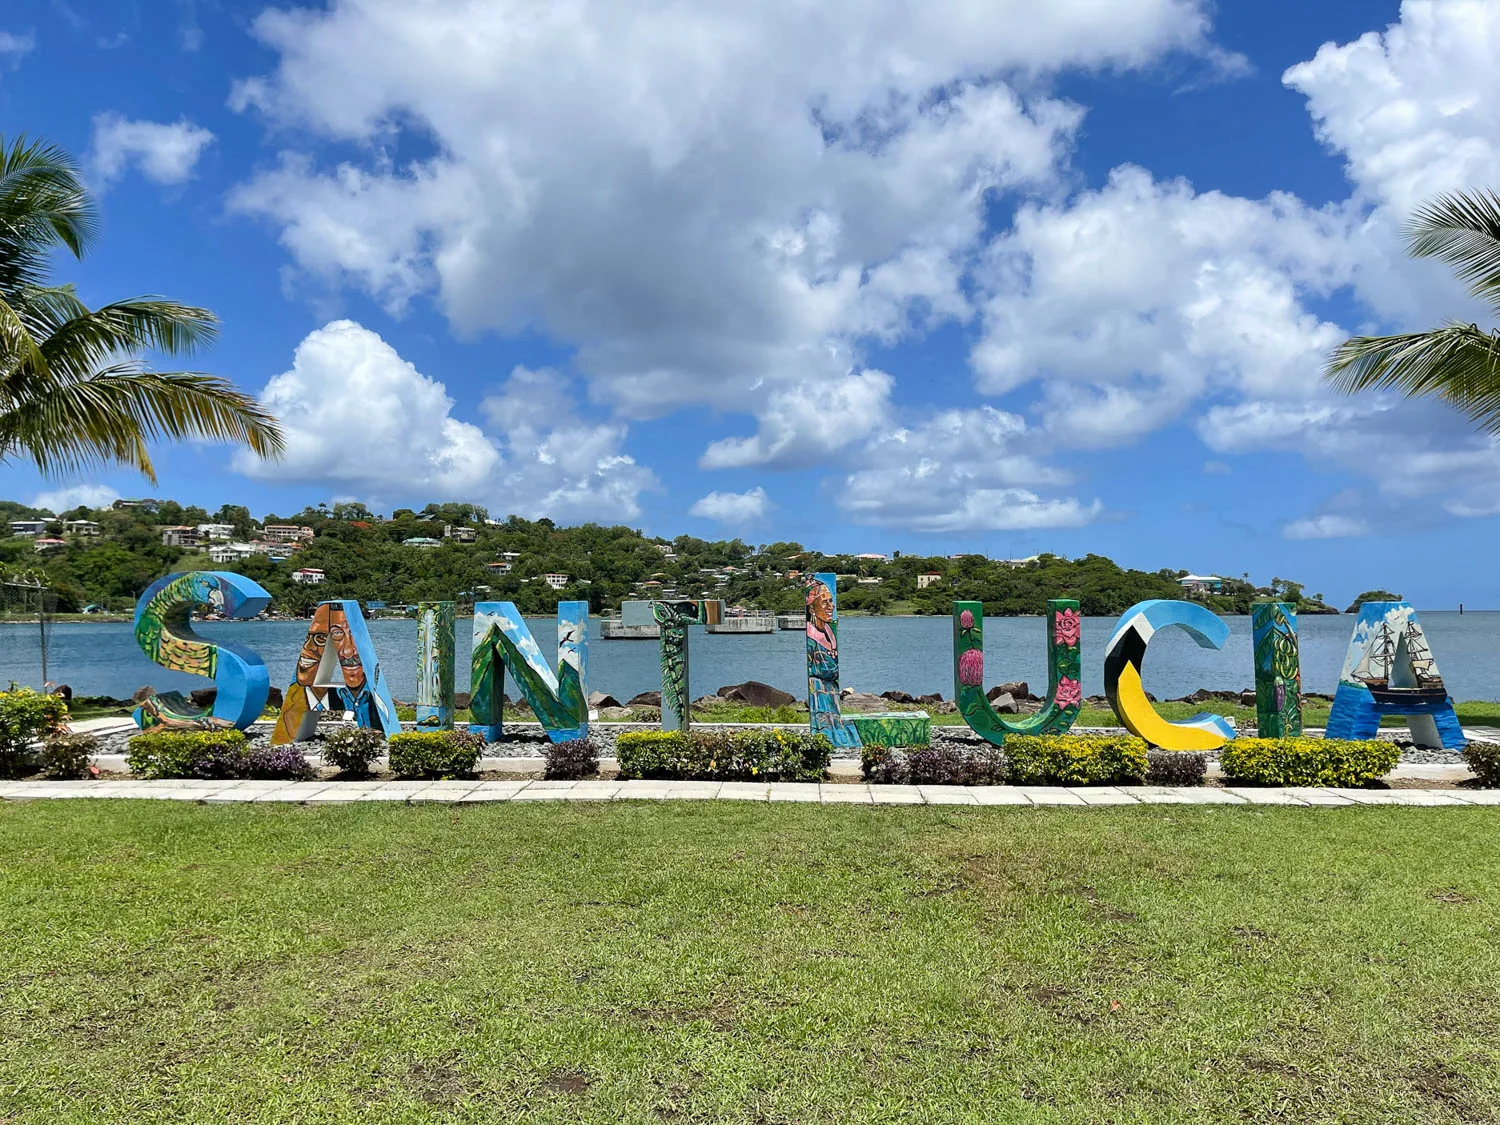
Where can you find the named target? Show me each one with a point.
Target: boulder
(1247, 699)
(706, 701)
(753, 693)
(897, 697)
(1004, 703)
(931, 697)
(204, 697)
(143, 693)
(1019, 689)
(861, 701)
(598, 699)
(461, 700)
(274, 699)
(614, 712)
(644, 699)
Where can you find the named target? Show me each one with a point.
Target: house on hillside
(48, 545)
(460, 534)
(308, 576)
(287, 533)
(499, 567)
(215, 532)
(180, 535)
(871, 557)
(236, 552)
(931, 578)
(28, 528)
(425, 542)
(80, 527)
(1201, 583)
(556, 581)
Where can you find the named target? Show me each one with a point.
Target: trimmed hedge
(1176, 767)
(1076, 759)
(1484, 759)
(1307, 761)
(933, 765)
(352, 749)
(570, 760)
(27, 718)
(718, 755)
(435, 753)
(188, 753)
(68, 755)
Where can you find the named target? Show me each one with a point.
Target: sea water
(910, 654)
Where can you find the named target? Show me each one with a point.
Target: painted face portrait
(820, 605)
(312, 648)
(349, 661)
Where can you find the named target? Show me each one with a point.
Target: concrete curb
(463, 792)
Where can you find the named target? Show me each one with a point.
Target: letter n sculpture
(1278, 670)
(337, 670)
(1389, 670)
(1064, 680)
(164, 630)
(435, 625)
(1122, 673)
(502, 643)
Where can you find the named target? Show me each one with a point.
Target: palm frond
(110, 418)
(1459, 363)
(43, 204)
(1462, 229)
(76, 339)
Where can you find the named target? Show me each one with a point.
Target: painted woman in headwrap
(823, 667)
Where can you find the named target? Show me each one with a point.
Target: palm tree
(75, 391)
(1458, 363)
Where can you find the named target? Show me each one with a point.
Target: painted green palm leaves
(1278, 670)
(1064, 678)
(674, 619)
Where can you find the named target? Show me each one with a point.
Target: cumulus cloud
(962, 470)
(165, 153)
(367, 423)
(734, 508)
(13, 45)
(1325, 527)
(803, 423)
(59, 500)
(712, 204)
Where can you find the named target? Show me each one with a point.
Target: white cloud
(14, 45)
(734, 508)
(59, 500)
(1326, 527)
(803, 423)
(165, 153)
(962, 470)
(366, 423)
(713, 204)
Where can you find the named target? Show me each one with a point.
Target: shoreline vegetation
(104, 558)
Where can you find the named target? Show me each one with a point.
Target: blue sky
(968, 275)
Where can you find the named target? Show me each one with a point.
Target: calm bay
(911, 654)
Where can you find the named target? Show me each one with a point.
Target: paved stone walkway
(344, 792)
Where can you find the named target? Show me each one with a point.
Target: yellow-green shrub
(1484, 759)
(1076, 759)
(720, 755)
(1307, 761)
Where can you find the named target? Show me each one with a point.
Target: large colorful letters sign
(502, 643)
(1278, 670)
(435, 625)
(1389, 670)
(1122, 674)
(164, 630)
(337, 670)
(824, 713)
(1064, 679)
(674, 619)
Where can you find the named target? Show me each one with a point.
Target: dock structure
(757, 621)
(791, 621)
(613, 629)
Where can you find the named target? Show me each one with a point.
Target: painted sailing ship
(1374, 669)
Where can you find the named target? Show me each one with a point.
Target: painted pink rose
(1069, 693)
(1069, 627)
(966, 620)
(971, 668)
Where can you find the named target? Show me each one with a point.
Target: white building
(460, 534)
(287, 533)
(931, 578)
(870, 581)
(236, 552)
(215, 532)
(308, 575)
(80, 527)
(48, 545)
(425, 542)
(498, 567)
(179, 536)
(29, 528)
(870, 556)
(1020, 564)
(1200, 583)
(556, 581)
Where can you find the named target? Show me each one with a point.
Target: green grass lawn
(642, 963)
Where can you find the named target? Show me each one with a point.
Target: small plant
(947, 765)
(1307, 761)
(1076, 759)
(1176, 767)
(278, 763)
(741, 755)
(435, 754)
(352, 749)
(573, 759)
(26, 719)
(187, 753)
(1484, 759)
(68, 755)
(884, 765)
